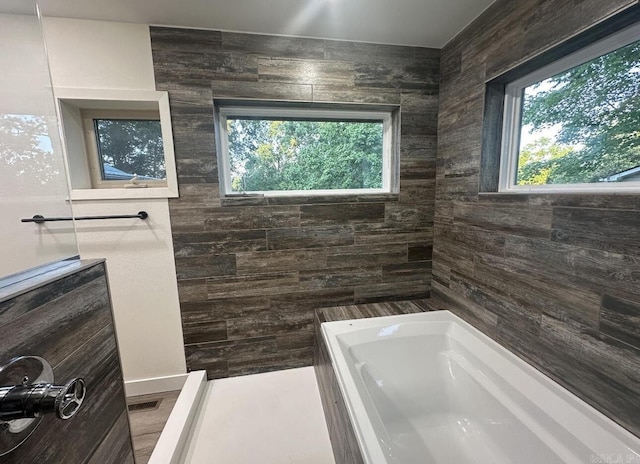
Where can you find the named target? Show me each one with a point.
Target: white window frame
(389, 172)
(512, 122)
(93, 152)
(72, 102)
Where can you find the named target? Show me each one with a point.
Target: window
(280, 150)
(574, 125)
(118, 143)
(125, 148)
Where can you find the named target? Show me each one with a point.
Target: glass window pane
(583, 125)
(271, 154)
(128, 147)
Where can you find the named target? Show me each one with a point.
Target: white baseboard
(174, 438)
(155, 385)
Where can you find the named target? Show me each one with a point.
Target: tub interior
(431, 399)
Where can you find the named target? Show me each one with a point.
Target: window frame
(71, 102)
(390, 173)
(512, 118)
(93, 152)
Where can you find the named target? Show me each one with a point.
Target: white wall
(32, 172)
(139, 254)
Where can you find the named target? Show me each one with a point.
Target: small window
(125, 148)
(574, 125)
(118, 143)
(288, 151)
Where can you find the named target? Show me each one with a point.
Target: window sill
(257, 200)
(122, 193)
(577, 189)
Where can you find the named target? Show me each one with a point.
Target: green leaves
(597, 106)
(133, 146)
(267, 155)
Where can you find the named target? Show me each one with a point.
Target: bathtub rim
(366, 437)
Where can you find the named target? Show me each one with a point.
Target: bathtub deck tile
(361, 311)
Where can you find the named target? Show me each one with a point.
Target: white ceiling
(429, 23)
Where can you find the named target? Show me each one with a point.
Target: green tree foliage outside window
(132, 146)
(269, 155)
(597, 107)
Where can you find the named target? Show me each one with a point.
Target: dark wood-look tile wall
(554, 278)
(251, 271)
(68, 322)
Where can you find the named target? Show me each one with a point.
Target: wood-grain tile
(553, 277)
(252, 284)
(223, 308)
(218, 242)
(419, 288)
(262, 90)
(316, 72)
(270, 323)
(341, 213)
(365, 255)
(248, 262)
(282, 260)
(274, 46)
(346, 277)
(620, 319)
(348, 94)
(169, 38)
(607, 230)
(310, 237)
(68, 322)
(411, 271)
(194, 267)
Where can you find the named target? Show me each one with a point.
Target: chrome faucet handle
(70, 399)
(27, 394)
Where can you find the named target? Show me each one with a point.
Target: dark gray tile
(348, 94)
(309, 237)
(347, 277)
(252, 285)
(194, 267)
(413, 271)
(341, 213)
(170, 38)
(366, 255)
(218, 242)
(273, 46)
(261, 217)
(284, 260)
(393, 290)
(256, 267)
(261, 90)
(223, 308)
(600, 229)
(620, 319)
(68, 322)
(317, 72)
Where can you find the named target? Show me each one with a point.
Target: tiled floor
(147, 423)
(272, 418)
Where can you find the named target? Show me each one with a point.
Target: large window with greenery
(271, 150)
(574, 125)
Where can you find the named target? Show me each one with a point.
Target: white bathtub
(429, 388)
